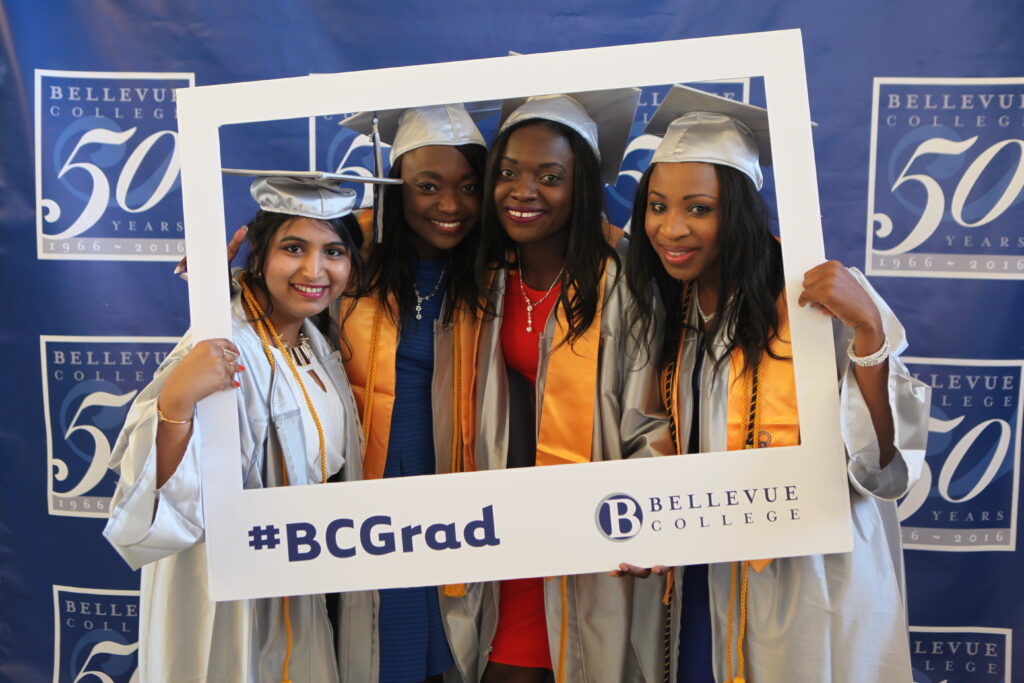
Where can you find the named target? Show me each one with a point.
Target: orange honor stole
(566, 431)
(372, 336)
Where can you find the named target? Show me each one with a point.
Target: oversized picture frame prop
(542, 521)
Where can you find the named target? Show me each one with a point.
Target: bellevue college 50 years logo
(966, 498)
(107, 169)
(946, 174)
(96, 635)
(88, 386)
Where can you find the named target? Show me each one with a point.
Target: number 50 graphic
(89, 384)
(107, 165)
(99, 197)
(966, 496)
(946, 179)
(935, 205)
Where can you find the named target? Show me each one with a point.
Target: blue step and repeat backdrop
(920, 157)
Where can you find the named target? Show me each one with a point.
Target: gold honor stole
(762, 411)
(372, 335)
(373, 338)
(566, 430)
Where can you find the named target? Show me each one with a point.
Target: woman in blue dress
(407, 339)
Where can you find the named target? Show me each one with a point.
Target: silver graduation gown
(842, 617)
(628, 422)
(183, 635)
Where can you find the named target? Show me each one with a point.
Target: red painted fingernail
(241, 367)
(238, 384)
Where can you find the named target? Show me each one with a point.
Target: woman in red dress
(552, 369)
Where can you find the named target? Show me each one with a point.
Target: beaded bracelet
(876, 358)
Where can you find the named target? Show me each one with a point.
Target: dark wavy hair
(750, 264)
(390, 273)
(587, 249)
(265, 225)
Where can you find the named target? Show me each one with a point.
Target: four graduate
(502, 322)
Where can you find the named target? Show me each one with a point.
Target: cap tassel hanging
(378, 170)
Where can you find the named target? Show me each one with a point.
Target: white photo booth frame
(542, 521)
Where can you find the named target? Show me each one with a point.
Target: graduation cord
(564, 631)
(668, 379)
(739, 570)
(668, 629)
(263, 325)
(743, 568)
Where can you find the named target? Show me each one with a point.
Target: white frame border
(817, 463)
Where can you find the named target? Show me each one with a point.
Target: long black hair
(587, 248)
(750, 264)
(390, 269)
(265, 225)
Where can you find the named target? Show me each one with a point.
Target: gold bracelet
(163, 418)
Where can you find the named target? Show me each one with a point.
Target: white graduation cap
(602, 117)
(312, 194)
(698, 126)
(409, 129)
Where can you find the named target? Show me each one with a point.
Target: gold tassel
(670, 582)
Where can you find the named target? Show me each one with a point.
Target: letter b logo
(619, 517)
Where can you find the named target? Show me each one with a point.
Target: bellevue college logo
(108, 185)
(96, 635)
(966, 498)
(88, 386)
(945, 178)
(961, 654)
(619, 517)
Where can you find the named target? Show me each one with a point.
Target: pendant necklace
(301, 353)
(706, 317)
(420, 300)
(530, 305)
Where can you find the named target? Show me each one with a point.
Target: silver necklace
(705, 317)
(531, 304)
(421, 299)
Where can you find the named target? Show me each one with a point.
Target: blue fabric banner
(920, 158)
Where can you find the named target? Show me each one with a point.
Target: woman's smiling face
(533, 190)
(307, 267)
(440, 198)
(682, 218)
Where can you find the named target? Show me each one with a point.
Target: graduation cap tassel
(378, 171)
